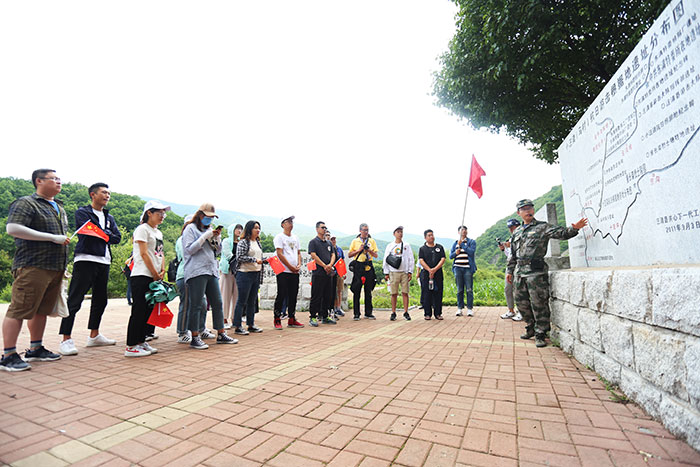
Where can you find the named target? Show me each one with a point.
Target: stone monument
(629, 308)
(268, 289)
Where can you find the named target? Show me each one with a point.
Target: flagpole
(464, 211)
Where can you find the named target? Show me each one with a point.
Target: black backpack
(172, 269)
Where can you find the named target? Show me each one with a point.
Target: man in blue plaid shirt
(39, 224)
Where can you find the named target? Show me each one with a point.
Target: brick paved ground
(464, 391)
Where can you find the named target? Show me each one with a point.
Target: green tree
(531, 68)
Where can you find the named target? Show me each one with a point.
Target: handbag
(60, 310)
(395, 261)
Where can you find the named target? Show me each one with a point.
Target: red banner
(161, 316)
(475, 175)
(340, 267)
(91, 229)
(276, 264)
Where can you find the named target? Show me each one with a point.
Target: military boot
(539, 340)
(529, 333)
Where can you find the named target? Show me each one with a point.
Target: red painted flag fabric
(311, 265)
(340, 267)
(93, 230)
(276, 264)
(475, 175)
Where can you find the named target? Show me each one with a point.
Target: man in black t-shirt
(323, 254)
(431, 257)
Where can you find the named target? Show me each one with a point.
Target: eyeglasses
(364, 230)
(55, 179)
(323, 227)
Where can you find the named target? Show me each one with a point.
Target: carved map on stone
(631, 165)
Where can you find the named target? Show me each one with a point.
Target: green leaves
(533, 67)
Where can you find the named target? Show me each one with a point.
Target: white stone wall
(640, 329)
(268, 289)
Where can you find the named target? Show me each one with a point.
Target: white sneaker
(518, 317)
(146, 346)
(99, 340)
(470, 312)
(151, 337)
(459, 312)
(185, 338)
(136, 351)
(507, 315)
(67, 348)
(206, 334)
(227, 326)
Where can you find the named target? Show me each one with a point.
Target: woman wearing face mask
(148, 267)
(229, 290)
(249, 263)
(201, 243)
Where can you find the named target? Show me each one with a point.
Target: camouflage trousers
(532, 298)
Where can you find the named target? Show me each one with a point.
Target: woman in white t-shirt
(148, 267)
(249, 262)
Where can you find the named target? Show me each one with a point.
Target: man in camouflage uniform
(528, 247)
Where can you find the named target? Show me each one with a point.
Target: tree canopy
(532, 68)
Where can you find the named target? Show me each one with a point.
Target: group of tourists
(229, 286)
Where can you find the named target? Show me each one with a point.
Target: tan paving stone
(457, 392)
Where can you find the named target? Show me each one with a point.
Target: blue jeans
(183, 309)
(248, 284)
(197, 288)
(465, 282)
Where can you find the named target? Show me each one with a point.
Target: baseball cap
(524, 202)
(154, 204)
(290, 218)
(398, 228)
(512, 223)
(208, 210)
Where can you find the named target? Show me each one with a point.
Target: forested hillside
(126, 209)
(487, 251)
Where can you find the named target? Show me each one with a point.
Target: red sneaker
(293, 323)
(278, 323)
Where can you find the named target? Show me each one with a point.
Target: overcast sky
(320, 109)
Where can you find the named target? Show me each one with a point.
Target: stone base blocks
(639, 329)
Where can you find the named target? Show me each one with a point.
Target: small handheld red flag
(161, 316)
(311, 265)
(340, 267)
(276, 264)
(91, 229)
(475, 175)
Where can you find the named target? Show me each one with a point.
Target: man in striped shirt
(464, 267)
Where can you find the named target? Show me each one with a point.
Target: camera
(498, 241)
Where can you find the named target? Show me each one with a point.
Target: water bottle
(431, 284)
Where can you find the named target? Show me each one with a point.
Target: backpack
(172, 269)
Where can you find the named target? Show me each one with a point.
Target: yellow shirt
(362, 257)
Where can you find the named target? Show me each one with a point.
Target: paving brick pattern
(463, 391)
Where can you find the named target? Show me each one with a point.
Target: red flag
(475, 177)
(311, 265)
(340, 267)
(91, 229)
(276, 264)
(161, 316)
